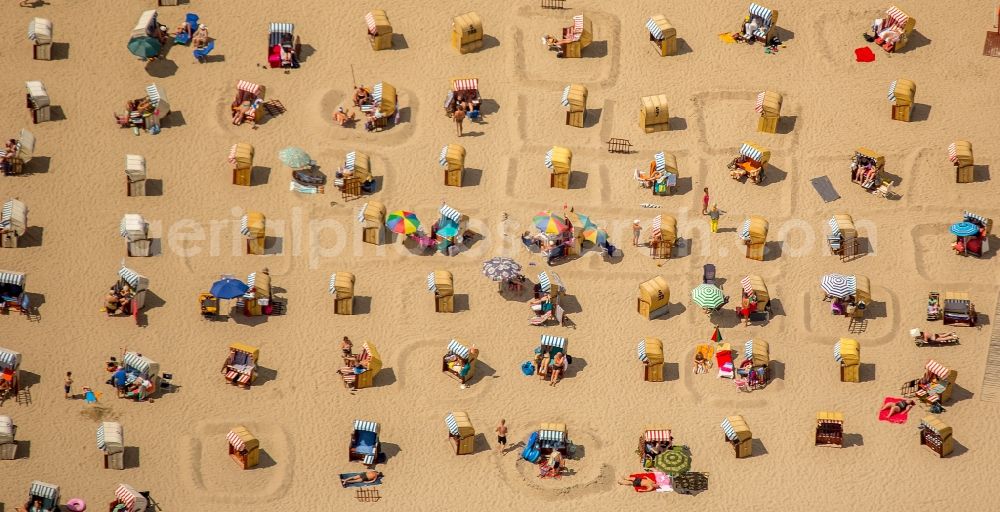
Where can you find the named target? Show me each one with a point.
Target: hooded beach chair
(133, 501)
(47, 493)
(24, 150)
(282, 36)
(12, 294)
(365, 446)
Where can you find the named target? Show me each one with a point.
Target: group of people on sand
(551, 367)
(118, 300)
(139, 388)
(364, 101)
(197, 35)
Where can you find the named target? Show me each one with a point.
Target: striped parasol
(837, 285)
(402, 222)
(964, 229)
(673, 462)
(500, 268)
(707, 296)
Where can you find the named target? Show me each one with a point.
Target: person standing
(459, 116)
(68, 384)
(713, 218)
(636, 231)
(704, 203)
(501, 431)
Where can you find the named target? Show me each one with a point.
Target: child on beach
(501, 431)
(704, 202)
(68, 384)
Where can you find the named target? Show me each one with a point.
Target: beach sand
(299, 409)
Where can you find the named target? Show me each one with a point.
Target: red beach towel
(864, 54)
(896, 418)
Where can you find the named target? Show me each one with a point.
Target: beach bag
(528, 368)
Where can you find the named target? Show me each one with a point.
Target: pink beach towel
(900, 418)
(864, 54)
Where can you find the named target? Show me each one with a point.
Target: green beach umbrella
(707, 296)
(673, 461)
(294, 157)
(144, 47)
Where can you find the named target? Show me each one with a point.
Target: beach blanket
(825, 189)
(864, 54)
(377, 481)
(896, 418)
(727, 37)
(663, 481)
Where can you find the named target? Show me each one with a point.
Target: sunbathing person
(287, 57)
(200, 37)
(240, 113)
(367, 476)
(361, 96)
(340, 117)
(940, 336)
(553, 42)
(898, 407)
(640, 482)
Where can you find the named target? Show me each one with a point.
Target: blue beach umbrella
(228, 288)
(964, 229)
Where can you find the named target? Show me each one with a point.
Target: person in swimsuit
(367, 476)
(639, 482)
(949, 336)
(556, 366)
(898, 407)
(346, 347)
(501, 431)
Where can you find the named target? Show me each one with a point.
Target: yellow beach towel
(727, 37)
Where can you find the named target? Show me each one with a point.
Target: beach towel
(650, 476)
(377, 481)
(864, 54)
(896, 418)
(825, 189)
(727, 38)
(663, 482)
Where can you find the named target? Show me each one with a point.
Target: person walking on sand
(704, 203)
(501, 431)
(459, 116)
(713, 218)
(68, 384)
(636, 231)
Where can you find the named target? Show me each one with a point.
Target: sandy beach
(299, 409)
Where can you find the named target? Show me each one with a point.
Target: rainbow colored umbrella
(580, 220)
(549, 222)
(403, 222)
(595, 235)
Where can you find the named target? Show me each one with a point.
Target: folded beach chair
(708, 274)
(724, 359)
(202, 53)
